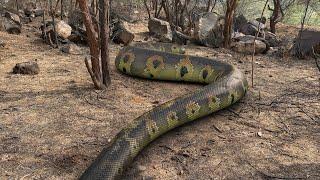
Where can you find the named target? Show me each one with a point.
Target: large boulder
(14, 17)
(258, 24)
(75, 19)
(272, 39)
(180, 38)
(238, 22)
(306, 43)
(246, 43)
(251, 28)
(9, 26)
(121, 33)
(30, 68)
(29, 7)
(161, 29)
(63, 29)
(209, 30)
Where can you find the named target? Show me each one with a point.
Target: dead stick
(254, 43)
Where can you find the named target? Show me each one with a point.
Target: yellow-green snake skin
(225, 86)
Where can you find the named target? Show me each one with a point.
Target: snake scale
(225, 86)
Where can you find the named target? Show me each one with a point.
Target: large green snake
(226, 85)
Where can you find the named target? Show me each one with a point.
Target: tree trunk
(92, 39)
(276, 16)
(104, 42)
(231, 6)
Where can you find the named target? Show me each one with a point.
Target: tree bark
(231, 6)
(277, 15)
(104, 42)
(92, 39)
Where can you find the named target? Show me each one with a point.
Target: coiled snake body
(226, 85)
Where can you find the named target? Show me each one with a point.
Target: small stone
(147, 178)
(142, 168)
(31, 68)
(2, 43)
(63, 29)
(71, 49)
(259, 134)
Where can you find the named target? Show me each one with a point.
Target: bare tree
(231, 6)
(277, 15)
(104, 36)
(101, 79)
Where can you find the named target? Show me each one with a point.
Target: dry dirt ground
(53, 125)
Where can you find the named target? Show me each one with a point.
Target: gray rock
(308, 44)
(71, 48)
(30, 67)
(29, 7)
(2, 43)
(209, 30)
(237, 35)
(63, 29)
(121, 33)
(9, 26)
(14, 17)
(239, 21)
(273, 51)
(38, 12)
(161, 29)
(272, 39)
(245, 46)
(257, 23)
(250, 29)
(75, 19)
(180, 38)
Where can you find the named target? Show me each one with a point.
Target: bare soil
(54, 124)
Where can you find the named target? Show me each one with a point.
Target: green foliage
(296, 12)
